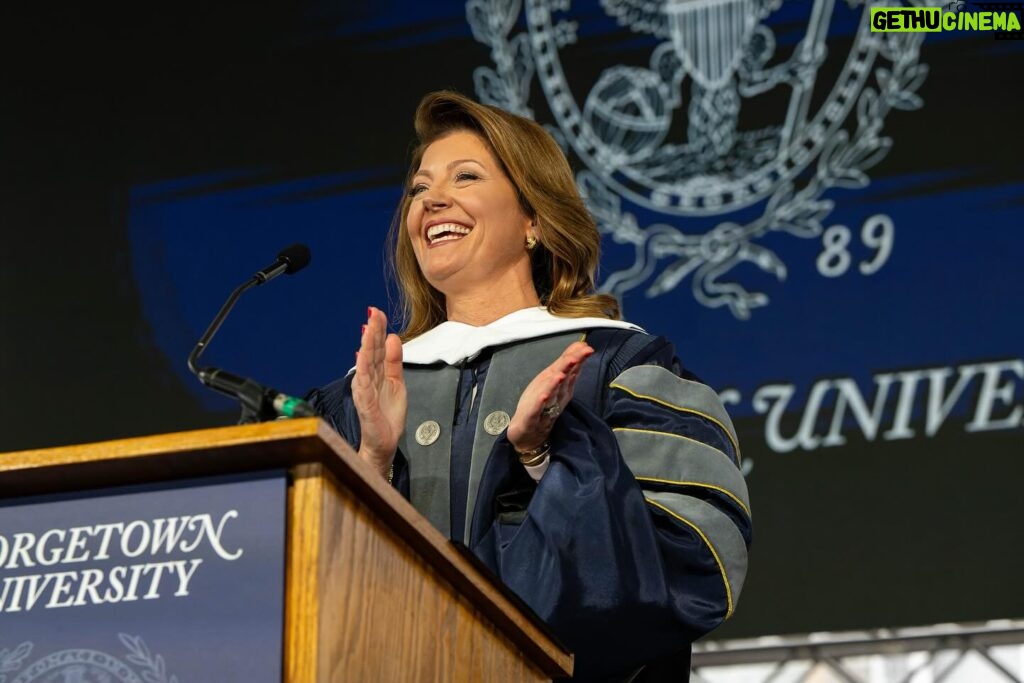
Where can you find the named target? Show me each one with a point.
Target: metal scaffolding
(933, 654)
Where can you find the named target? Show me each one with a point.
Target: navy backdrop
(825, 221)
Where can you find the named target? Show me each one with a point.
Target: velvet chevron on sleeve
(680, 445)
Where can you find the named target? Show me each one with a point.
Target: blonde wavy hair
(564, 262)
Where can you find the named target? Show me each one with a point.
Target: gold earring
(531, 242)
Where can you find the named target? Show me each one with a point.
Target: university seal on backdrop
(707, 141)
(82, 665)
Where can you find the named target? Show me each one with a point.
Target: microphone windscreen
(297, 256)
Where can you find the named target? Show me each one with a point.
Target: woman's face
(465, 223)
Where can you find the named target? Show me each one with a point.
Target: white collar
(453, 342)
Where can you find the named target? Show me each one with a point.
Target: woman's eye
(466, 175)
(416, 189)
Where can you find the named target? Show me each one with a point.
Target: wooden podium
(372, 591)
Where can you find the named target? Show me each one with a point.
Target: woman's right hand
(545, 398)
(378, 391)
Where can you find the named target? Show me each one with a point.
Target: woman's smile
(438, 233)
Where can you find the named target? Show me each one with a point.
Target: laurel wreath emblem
(797, 207)
(152, 668)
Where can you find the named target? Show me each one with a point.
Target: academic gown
(634, 542)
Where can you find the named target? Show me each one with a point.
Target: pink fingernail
(363, 330)
(369, 312)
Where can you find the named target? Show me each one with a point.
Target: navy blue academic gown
(633, 544)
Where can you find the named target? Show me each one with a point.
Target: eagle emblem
(696, 198)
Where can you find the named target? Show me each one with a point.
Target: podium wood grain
(373, 592)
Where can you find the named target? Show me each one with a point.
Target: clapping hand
(545, 398)
(378, 390)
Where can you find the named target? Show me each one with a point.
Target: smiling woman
(468, 230)
(568, 449)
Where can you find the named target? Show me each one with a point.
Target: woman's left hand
(545, 398)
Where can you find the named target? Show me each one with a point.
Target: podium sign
(263, 552)
(179, 581)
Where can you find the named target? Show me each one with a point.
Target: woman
(567, 448)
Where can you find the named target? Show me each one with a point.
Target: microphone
(259, 403)
(290, 260)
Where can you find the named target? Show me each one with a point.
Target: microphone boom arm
(218, 321)
(259, 403)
